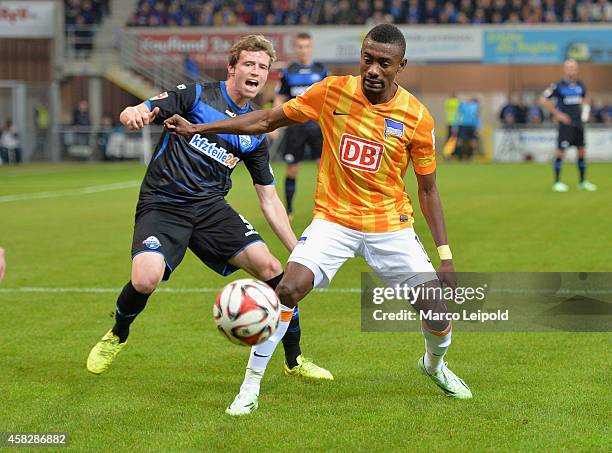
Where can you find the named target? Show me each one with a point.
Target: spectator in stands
(466, 7)
(479, 16)
(345, 15)
(601, 11)
(350, 12)
(413, 13)
(508, 112)
(80, 116)
(606, 112)
(430, 13)
(10, 147)
(259, 14)
(82, 122)
(206, 15)
(396, 10)
(535, 114)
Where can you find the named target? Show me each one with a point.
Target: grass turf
(169, 389)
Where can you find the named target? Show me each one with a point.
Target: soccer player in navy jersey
(569, 93)
(182, 198)
(295, 79)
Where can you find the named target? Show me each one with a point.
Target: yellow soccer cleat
(104, 352)
(307, 369)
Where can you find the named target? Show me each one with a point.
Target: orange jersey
(366, 151)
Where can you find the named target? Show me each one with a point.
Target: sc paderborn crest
(152, 243)
(245, 141)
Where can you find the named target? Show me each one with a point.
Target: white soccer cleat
(448, 381)
(588, 186)
(560, 187)
(244, 403)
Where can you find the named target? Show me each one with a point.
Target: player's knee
(145, 280)
(289, 292)
(270, 269)
(145, 284)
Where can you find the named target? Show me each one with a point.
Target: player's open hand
(135, 118)
(176, 124)
(446, 274)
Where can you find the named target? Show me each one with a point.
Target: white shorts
(397, 257)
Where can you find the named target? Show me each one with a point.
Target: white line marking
(559, 292)
(65, 193)
(162, 290)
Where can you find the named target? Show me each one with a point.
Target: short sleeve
(258, 164)
(284, 89)
(551, 91)
(179, 100)
(423, 145)
(583, 89)
(308, 105)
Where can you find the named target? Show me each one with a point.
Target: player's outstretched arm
(138, 116)
(276, 215)
(431, 207)
(253, 123)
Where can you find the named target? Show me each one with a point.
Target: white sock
(262, 353)
(435, 349)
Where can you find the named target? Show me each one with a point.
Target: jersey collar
(231, 103)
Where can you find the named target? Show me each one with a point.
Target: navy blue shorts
(213, 231)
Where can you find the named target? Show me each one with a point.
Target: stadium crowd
(348, 12)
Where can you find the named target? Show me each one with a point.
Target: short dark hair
(303, 35)
(387, 34)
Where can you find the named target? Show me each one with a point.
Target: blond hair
(251, 43)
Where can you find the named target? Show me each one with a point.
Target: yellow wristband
(444, 252)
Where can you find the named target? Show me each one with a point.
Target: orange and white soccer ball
(247, 311)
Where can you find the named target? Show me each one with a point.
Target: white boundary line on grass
(162, 290)
(28, 289)
(69, 192)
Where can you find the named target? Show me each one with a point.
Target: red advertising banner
(206, 49)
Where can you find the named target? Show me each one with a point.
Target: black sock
(273, 282)
(129, 304)
(291, 340)
(558, 161)
(581, 168)
(289, 193)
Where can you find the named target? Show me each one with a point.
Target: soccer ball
(247, 312)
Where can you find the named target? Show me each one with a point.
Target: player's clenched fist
(137, 117)
(179, 125)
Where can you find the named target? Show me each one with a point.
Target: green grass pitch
(169, 389)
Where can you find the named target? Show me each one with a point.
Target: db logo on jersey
(359, 153)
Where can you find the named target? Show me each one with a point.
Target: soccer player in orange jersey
(372, 129)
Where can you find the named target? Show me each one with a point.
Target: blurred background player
(568, 111)
(361, 207)
(296, 79)
(182, 198)
(469, 122)
(451, 108)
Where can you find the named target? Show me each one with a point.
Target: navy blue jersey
(199, 168)
(297, 78)
(570, 96)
